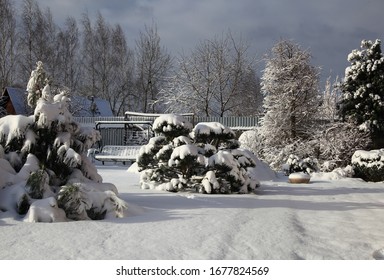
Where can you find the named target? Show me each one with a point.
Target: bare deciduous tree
(153, 65)
(68, 55)
(122, 61)
(37, 39)
(108, 64)
(216, 78)
(8, 41)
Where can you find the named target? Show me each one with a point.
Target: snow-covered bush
(171, 126)
(277, 156)
(206, 158)
(251, 140)
(295, 164)
(44, 155)
(337, 143)
(369, 165)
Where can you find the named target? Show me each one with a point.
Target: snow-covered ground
(325, 219)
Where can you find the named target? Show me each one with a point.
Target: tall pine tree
(363, 90)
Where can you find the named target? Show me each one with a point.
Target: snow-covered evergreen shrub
(71, 198)
(171, 126)
(44, 156)
(295, 164)
(37, 184)
(206, 158)
(215, 134)
(369, 165)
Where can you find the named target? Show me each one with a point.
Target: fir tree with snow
(36, 84)
(363, 90)
(206, 158)
(44, 156)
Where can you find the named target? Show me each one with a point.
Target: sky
(329, 29)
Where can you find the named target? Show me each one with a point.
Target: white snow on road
(339, 219)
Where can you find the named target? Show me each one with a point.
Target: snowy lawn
(340, 219)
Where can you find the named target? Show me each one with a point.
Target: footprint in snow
(199, 198)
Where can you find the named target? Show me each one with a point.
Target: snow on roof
(81, 107)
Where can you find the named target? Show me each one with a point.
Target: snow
(373, 158)
(181, 152)
(171, 120)
(207, 128)
(325, 219)
(299, 175)
(45, 210)
(13, 126)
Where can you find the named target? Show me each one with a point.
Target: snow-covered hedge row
(369, 165)
(206, 158)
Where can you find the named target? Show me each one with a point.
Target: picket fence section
(117, 135)
(244, 123)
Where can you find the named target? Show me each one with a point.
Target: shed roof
(80, 106)
(18, 97)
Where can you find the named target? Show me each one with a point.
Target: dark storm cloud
(329, 28)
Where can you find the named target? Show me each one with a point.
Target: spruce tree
(363, 90)
(45, 157)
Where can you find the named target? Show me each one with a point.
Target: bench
(118, 153)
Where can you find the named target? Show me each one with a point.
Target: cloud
(330, 28)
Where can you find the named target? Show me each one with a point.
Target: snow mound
(208, 128)
(337, 174)
(262, 172)
(172, 121)
(133, 168)
(45, 211)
